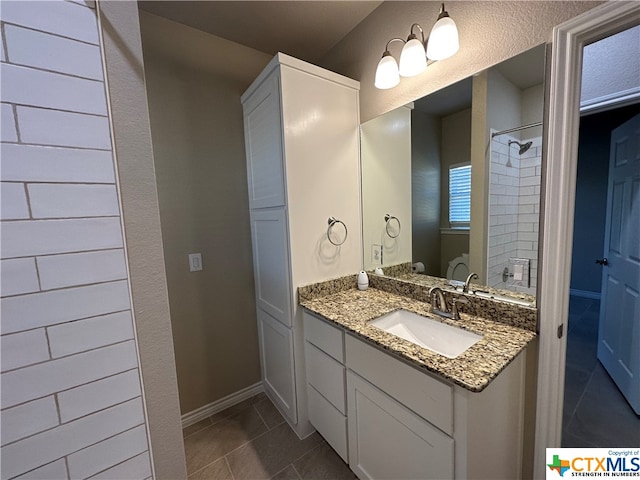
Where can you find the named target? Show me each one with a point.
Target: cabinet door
(276, 350)
(263, 143)
(271, 263)
(387, 440)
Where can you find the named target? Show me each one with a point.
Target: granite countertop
(473, 370)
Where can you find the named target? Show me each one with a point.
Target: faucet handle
(454, 306)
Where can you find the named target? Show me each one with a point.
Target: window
(459, 195)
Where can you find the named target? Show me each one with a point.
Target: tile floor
(251, 440)
(595, 413)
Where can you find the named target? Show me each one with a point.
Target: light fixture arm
(443, 13)
(413, 35)
(386, 48)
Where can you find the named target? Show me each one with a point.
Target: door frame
(562, 123)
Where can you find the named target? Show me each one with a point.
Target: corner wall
(198, 142)
(134, 158)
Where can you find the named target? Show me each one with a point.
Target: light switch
(195, 262)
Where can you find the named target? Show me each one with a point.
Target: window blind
(460, 195)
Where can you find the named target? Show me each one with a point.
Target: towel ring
(332, 222)
(387, 219)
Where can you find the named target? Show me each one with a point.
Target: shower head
(523, 146)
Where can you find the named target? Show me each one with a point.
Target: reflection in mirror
(418, 165)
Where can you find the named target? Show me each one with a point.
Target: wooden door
(619, 331)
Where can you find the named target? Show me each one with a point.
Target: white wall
(71, 394)
(386, 173)
(611, 67)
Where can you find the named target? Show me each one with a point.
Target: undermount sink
(427, 332)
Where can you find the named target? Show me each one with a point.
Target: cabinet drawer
(326, 375)
(426, 396)
(331, 424)
(327, 338)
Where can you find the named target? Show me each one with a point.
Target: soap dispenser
(363, 280)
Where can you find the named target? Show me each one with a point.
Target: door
(619, 330)
(276, 351)
(271, 263)
(263, 144)
(389, 441)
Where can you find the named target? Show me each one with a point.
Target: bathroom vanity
(393, 409)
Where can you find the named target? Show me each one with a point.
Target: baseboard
(214, 407)
(585, 294)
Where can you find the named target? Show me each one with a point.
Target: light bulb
(413, 59)
(443, 41)
(387, 72)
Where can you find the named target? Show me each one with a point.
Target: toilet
(459, 268)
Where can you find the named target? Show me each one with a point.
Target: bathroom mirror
(451, 181)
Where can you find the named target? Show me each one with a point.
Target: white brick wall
(71, 401)
(35, 49)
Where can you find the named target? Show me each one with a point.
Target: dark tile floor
(251, 440)
(595, 413)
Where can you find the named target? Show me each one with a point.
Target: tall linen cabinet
(301, 126)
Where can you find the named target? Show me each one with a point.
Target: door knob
(604, 262)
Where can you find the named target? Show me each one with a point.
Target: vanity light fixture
(442, 43)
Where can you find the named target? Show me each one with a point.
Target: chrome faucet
(438, 302)
(471, 276)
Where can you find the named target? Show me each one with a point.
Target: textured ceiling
(303, 29)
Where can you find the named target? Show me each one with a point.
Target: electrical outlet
(195, 262)
(376, 254)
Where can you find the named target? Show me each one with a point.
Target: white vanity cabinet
(404, 423)
(301, 127)
(388, 419)
(393, 413)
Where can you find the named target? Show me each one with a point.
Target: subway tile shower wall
(514, 208)
(71, 394)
